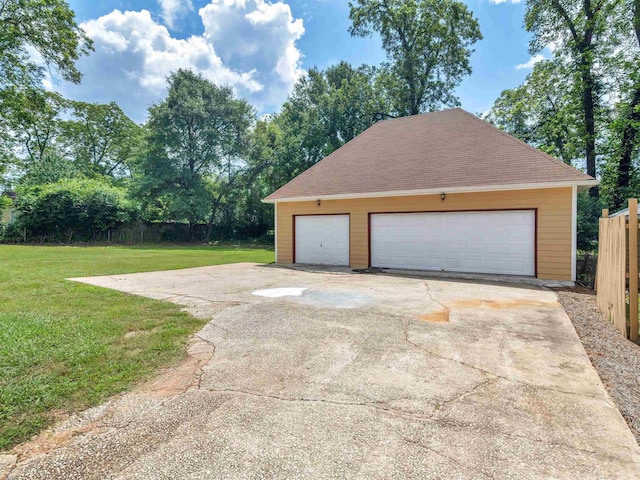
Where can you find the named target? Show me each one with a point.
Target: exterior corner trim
(574, 231)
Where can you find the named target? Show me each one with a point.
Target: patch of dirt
(437, 316)
(51, 439)
(503, 304)
(577, 289)
(616, 359)
(133, 333)
(170, 382)
(173, 381)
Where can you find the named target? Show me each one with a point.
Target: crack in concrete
(492, 377)
(405, 330)
(406, 415)
(410, 416)
(381, 406)
(502, 377)
(405, 322)
(210, 323)
(200, 375)
(466, 393)
(235, 303)
(493, 328)
(524, 437)
(440, 454)
(430, 295)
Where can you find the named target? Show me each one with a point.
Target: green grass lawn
(63, 344)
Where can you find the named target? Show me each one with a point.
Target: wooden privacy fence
(147, 232)
(617, 274)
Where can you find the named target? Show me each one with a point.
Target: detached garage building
(441, 191)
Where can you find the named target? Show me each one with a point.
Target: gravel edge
(616, 359)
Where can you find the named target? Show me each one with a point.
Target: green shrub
(266, 239)
(12, 233)
(72, 207)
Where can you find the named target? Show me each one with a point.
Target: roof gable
(450, 149)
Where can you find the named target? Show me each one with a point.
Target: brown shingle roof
(450, 149)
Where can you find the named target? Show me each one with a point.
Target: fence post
(633, 269)
(605, 213)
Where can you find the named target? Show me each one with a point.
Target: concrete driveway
(361, 376)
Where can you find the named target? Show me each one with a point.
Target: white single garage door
(501, 242)
(322, 239)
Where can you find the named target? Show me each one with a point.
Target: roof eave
(581, 184)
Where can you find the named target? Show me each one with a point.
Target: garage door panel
(474, 249)
(490, 242)
(322, 239)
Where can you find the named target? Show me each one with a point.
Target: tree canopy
(100, 138)
(428, 45)
(541, 112)
(582, 105)
(49, 28)
(196, 137)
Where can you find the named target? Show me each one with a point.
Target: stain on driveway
(359, 376)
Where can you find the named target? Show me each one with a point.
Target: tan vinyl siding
(553, 224)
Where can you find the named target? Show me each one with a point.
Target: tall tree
(35, 36)
(5, 161)
(326, 109)
(351, 103)
(33, 119)
(49, 28)
(100, 138)
(428, 45)
(627, 122)
(241, 212)
(196, 138)
(542, 111)
(577, 30)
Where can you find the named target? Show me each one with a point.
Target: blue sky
(260, 47)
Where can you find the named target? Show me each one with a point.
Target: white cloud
(258, 35)
(247, 44)
(532, 61)
(498, 2)
(172, 10)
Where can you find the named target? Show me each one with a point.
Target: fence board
(611, 280)
(633, 269)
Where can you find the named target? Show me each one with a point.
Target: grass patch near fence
(63, 345)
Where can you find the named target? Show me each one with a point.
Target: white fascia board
(438, 191)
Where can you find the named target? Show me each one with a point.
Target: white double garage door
(500, 242)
